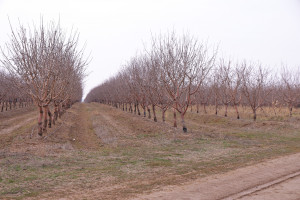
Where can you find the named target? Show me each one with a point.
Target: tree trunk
(149, 112)
(50, 118)
(138, 109)
(45, 118)
(130, 108)
(204, 107)
(175, 120)
(183, 123)
(40, 121)
(291, 109)
(254, 115)
(144, 107)
(163, 115)
(197, 107)
(226, 107)
(135, 108)
(237, 112)
(154, 113)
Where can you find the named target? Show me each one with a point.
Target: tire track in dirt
(80, 130)
(11, 128)
(104, 129)
(15, 114)
(107, 128)
(12, 119)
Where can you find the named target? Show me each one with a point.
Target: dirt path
(287, 190)
(231, 185)
(17, 125)
(15, 114)
(11, 121)
(81, 129)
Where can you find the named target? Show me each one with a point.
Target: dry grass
(264, 113)
(116, 155)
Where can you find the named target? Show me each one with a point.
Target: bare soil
(100, 152)
(232, 184)
(288, 190)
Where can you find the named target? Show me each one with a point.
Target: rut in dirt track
(9, 123)
(90, 128)
(81, 129)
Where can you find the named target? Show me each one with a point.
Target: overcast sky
(115, 30)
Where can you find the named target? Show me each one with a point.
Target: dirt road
(288, 190)
(275, 179)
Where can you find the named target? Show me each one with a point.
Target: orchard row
(179, 71)
(44, 64)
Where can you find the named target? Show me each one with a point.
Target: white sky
(115, 30)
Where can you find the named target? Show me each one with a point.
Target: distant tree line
(179, 71)
(11, 97)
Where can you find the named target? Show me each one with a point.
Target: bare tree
(216, 90)
(231, 84)
(184, 64)
(290, 88)
(224, 70)
(255, 81)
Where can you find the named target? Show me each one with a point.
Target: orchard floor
(100, 152)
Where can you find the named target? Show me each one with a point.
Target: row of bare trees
(179, 72)
(168, 75)
(46, 65)
(11, 97)
(250, 84)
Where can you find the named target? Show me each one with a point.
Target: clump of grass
(159, 162)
